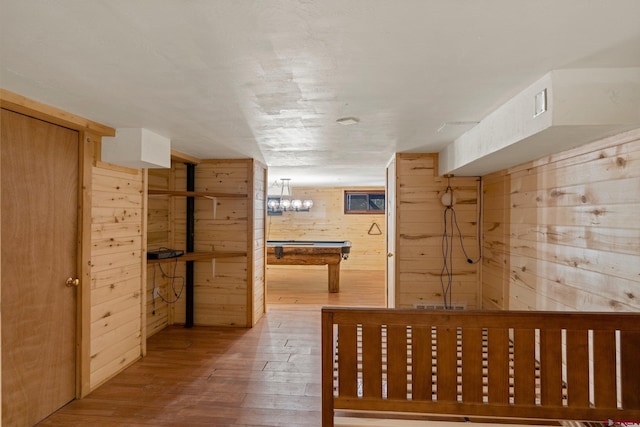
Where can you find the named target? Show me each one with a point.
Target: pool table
(310, 252)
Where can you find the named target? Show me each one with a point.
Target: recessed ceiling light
(347, 121)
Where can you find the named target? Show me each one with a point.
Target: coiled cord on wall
(450, 222)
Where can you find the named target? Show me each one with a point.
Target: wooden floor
(265, 376)
(269, 375)
(308, 287)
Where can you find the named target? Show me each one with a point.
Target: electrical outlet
(156, 292)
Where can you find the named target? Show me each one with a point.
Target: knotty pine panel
(116, 182)
(327, 221)
(571, 230)
(116, 271)
(588, 290)
(112, 215)
(495, 241)
(605, 239)
(224, 176)
(420, 226)
(100, 263)
(116, 359)
(115, 230)
(618, 265)
(114, 245)
(116, 289)
(125, 201)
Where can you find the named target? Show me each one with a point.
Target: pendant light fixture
(286, 202)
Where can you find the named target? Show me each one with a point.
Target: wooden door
(39, 173)
(391, 234)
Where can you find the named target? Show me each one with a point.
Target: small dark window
(364, 202)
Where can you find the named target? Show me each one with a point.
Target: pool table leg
(334, 278)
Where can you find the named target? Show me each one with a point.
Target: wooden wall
(563, 232)
(257, 245)
(223, 290)
(495, 241)
(419, 226)
(159, 235)
(327, 221)
(116, 269)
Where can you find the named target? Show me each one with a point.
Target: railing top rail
(486, 318)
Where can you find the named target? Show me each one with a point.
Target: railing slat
(372, 361)
(347, 360)
(578, 368)
(524, 359)
(421, 361)
(446, 363)
(472, 365)
(604, 368)
(498, 365)
(396, 362)
(630, 369)
(551, 367)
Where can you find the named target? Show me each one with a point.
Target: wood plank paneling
(419, 222)
(116, 270)
(561, 233)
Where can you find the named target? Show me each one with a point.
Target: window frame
(366, 193)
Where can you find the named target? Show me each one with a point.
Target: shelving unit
(190, 256)
(199, 256)
(214, 213)
(206, 194)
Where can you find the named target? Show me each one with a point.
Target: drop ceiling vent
(562, 110)
(137, 148)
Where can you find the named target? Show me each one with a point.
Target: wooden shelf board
(200, 256)
(152, 192)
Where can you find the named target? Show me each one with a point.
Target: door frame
(89, 138)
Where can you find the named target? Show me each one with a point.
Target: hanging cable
(450, 222)
(176, 293)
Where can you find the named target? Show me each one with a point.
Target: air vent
(439, 306)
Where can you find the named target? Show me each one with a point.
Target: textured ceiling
(269, 78)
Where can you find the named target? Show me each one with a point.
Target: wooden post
(327, 368)
(191, 174)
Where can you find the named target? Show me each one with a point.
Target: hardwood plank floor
(308, 287)
(269, 375)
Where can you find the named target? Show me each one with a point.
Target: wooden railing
(525, 365)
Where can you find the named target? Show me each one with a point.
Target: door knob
(389, 255)
(72, 282)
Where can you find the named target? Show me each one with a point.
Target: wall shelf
(183, 193)
(200, 256)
